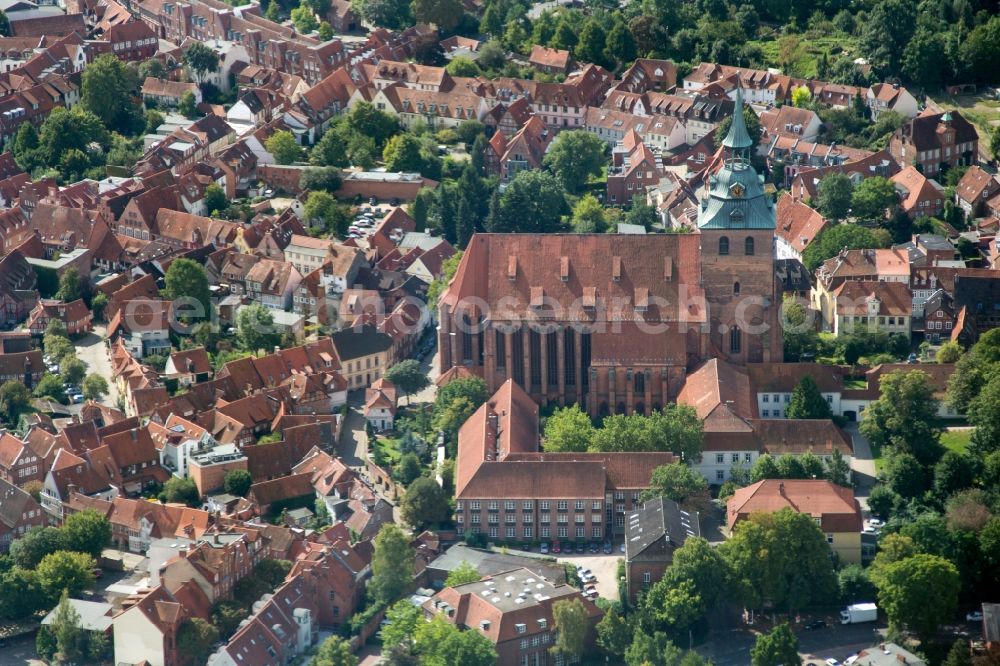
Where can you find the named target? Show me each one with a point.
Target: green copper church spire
(738, 137)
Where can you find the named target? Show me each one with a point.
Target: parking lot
(604, 567)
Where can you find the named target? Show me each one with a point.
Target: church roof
(738, 137)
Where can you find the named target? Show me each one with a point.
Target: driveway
(604, 567)
(92, 350)
(862, 465)
(20, 651)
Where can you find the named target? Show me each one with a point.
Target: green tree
(445, 14)
(335, 651)
(984, 414)
(807, 402)
(392, 564)
(995, 143)
(592, 43)
(403, 618)
(420, 208)
(953, 472)
(73, 370)
(21, 594)
(237, 482)
(780, 558)
(255, 328)
(838, 470)
(424, 504)
(959, 654)
(330, 150)
(905, 475)
(834, 196)
(885, 33)
(801, 97)
(70, 637)
(51, 386)
(325, 31)
(200, 59)
(834, 239)
(186, 279)
(284, 147)
(949, 352)
(873, 197)
(922, 61)
(178, 490)
(974, 370)
(568, 429)
(588, 216)
(408, 468)
(87, 532)
(408, 376)
(304, 19)
(462, 574)
(66, 570)
(216, 200)
(904, 416)
(187, 106)
(195, 637)
(440, 643)
(569, 619)
(402, 153)
(27, 551)
(697, 562)
(680, 483)
(642, 214)
(15, 399)
(620, 44)
(614, 634)
(778, 647)
(980, 50)
(66, 130)
(25, 148)
(575, 156)
(854, 584)
(70, 285)
(920, 592)
(107, 90)
(366, 120)
(98, 303)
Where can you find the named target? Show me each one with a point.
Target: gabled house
(146, 631)
(272, 283)
(656, 529)
(75, 316)
(797, 225)
(19, 512)
(190, 366)
(380, 404)
(883, 97)
(974, 189)
(634, 168)
(934, 142)
(919, 196)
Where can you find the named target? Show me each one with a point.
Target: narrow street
(862, 465)
(92, 350)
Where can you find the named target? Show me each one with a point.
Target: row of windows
(748, 246)
(720, 458)
(511, 519)
(528, 505)
(544, 532)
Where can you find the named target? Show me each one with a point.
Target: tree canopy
(574, 156)
(392, 564)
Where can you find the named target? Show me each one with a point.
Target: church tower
(736, 223)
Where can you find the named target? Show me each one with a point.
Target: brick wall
(280, 177)
(210, 477)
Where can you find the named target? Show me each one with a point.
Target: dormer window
(736, 218)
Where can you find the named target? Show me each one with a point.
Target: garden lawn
(956, 440)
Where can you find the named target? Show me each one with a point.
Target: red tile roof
(834, 505)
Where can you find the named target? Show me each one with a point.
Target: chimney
(781, 488)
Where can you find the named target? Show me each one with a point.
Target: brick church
(616, 321)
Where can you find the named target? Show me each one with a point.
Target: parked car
(832, 662)
(595, 547)
(876, 523)
(974, 616)
(621, 548)
(912, 358)
(580, 548)
(544, 548)
(815, 624)
(581, 571)
(556, 547)
(608, 548)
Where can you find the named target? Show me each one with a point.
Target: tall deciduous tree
(335, 651)
(255, 328)
(66, 570)
(445, 14)
(424, 504)
(904, 416)
(87, 532)
(834, 196)
(392, 564)
(568, 429)
(919, 592)
(408, 376)
(873, 197)
(680, 483)
(574, 156)
(284, 147)
(107, 91)
(201, 60)
(569, 619)
(778, 647)
(187, 279)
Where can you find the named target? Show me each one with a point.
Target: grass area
(388, 447)
(956, 440)
(809, 51)
(852, 383)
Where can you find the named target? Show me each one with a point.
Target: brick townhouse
(506, 489)
(935, 142)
